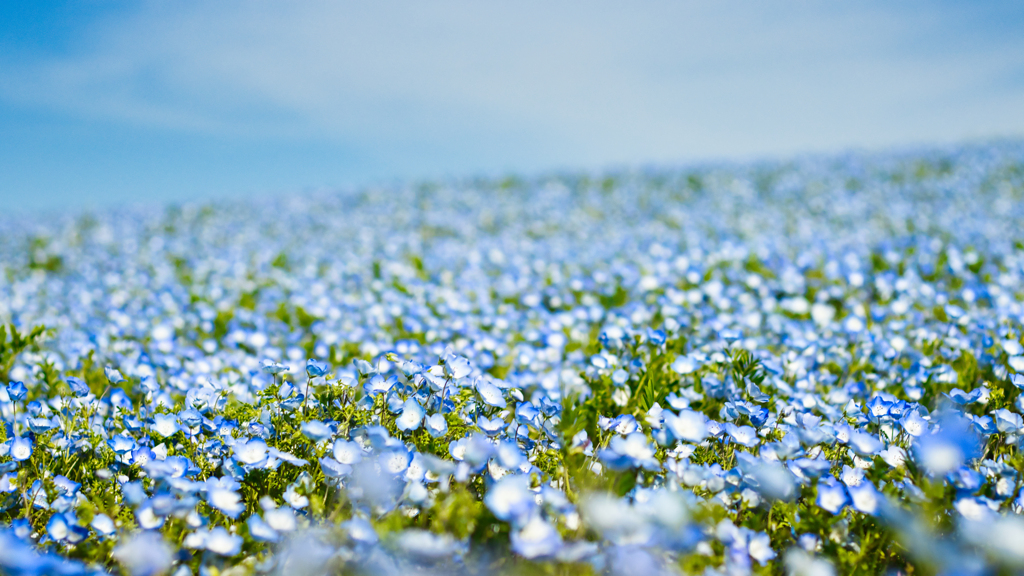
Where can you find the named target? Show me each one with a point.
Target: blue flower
(145, 554)
(191, 418)
(271, 367)
(316, 430)
(914, 424)
(437, 425)
(536, 539)
(378, 384)
(21, 449)
(260, 530)
(122, 444)
(412, 416)
(950, 446)
(360, 531)
(510, 499)
(165, 424)
(57, 527)
(221, 494)
(744, 435)
(252, 452)
(220, 542)
(347, 452)
(16, 391)
(865, 498)
(633, 451)
(490, 426)
(113, 375)
(316, 368)
(395, 460)
(490, 393)
(689, 426)
(78, 386)
(623, 424)
(103, 525)
(334, 469)
(832, 496)
(865, 444)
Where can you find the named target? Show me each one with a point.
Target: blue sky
(105, 102)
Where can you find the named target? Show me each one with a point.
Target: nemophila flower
(113, 375)
(623, 424)
(760, 549)
(411, 417)
(831, 496)
(191, 418)
(999, 536)
(944, 450)
(1016, 362)
(865, 498)
(122, 444)
(426, 546)
(743, 543)
(437, 425)
(316, 430)
(360, 531)
(221, 542)
(57, 527)
(536, 539)
(280, 519)
(260, 530)
(490, 426)
(456, 366)
(78, 386)
(21, 449)
(799, 563)
(316, 368)
(510, 499)
(275, 454)
(914, 424)
(774, 481)
(894, 456)
(684, 365)
(1007, 421)
(145, 554)
(16, 391)
(490, 394)
(865, 444)
(744, 435)
(347, 452)
(165, 425)
(689, 426)
(40, 425)
(103, 525)
(815, 352)
(252, 452)
(378, 384)
(294, 499)
(395, 461)
(334, 469)
(633, 451)
(65, 485)
(221, 494)
(967, 480)
(476, 449)
(271, 367)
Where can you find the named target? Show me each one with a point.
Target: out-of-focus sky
(110, 102)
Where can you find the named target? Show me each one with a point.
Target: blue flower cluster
(811, 367)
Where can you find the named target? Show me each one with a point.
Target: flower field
(810, 367)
